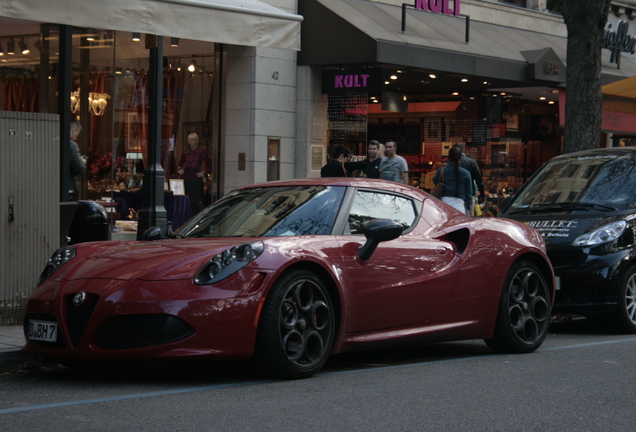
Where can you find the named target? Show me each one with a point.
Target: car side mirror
(152, 234)
(376, 231)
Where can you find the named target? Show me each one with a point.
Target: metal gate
(29, 205)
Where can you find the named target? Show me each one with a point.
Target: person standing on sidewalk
(394, 167)
(373, 160)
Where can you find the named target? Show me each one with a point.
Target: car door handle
(441, 250)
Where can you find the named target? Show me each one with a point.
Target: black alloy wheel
(523, 317)
(297, 326)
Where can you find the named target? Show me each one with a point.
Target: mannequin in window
(192, 167)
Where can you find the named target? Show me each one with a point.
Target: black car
(584, 205)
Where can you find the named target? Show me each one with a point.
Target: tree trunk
(585, 21)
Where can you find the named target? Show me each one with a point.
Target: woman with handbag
(340, 165)
(457, 183)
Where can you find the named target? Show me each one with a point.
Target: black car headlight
(601, 235)
(57, 260)
(228, 262)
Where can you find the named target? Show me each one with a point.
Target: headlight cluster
(228, 262)
(604, 234)
(57, 260)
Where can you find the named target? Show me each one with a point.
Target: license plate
(45, 331)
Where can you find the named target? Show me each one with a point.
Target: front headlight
(228, 262)
(604, 234)
(57, 260)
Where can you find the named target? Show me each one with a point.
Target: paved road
(582, 379)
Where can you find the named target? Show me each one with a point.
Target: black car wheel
(296, 330)
(625, 315)
(524, 311)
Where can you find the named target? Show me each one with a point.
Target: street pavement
(11, 338)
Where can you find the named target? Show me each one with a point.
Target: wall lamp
(136, 36)
(11, 47)
(174, 42)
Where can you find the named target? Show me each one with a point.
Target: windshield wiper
(583, 206)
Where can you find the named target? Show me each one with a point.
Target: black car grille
(143, 330)
(77, 317)
(563, 260)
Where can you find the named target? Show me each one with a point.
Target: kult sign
(439, 6)
(348, 81)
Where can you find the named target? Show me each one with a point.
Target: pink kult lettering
(438, 6)
(348, 81)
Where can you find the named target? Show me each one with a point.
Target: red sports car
(289, 272)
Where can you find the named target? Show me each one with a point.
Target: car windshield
(591, 183)
(268, 212)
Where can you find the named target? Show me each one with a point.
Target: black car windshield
(268, 212)
(599, 183)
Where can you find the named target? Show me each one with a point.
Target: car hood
(560, 229)
(158, 260)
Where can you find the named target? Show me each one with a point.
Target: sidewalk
(11, 338)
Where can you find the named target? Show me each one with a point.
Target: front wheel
(296, 330)
(625, 316)
(524, 311)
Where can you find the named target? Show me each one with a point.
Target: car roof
(343, 182)
(618, 151)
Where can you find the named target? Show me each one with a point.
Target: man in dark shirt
(373, 160)
(473, 168)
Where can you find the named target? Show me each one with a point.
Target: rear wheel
(625, 316)
(296, 330)
(524, 311)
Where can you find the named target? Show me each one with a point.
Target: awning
(625, 88)
(236, 22)
(620, 96)
(364, 32)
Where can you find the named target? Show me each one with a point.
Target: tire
(523, 317)
(297, 327)
(625, 316)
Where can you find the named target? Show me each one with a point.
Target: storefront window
(110, 98)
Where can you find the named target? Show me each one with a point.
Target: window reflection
(269, 212)
(368, 206)
(594, 180)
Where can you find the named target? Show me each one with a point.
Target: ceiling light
(393, 77)
(375, 101)
(432, 76)
(136, 36)
(503, 93)
(174, 42)
(11, 47)
(373, 97)
(471, 98)
(542, 98)
(1, 50)
(90, 34)
(554, 91)
(494, 95)
(193, 66)
(464, 79)
(455, 93)
(386, 82)
(551, 102)
(485, 82)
